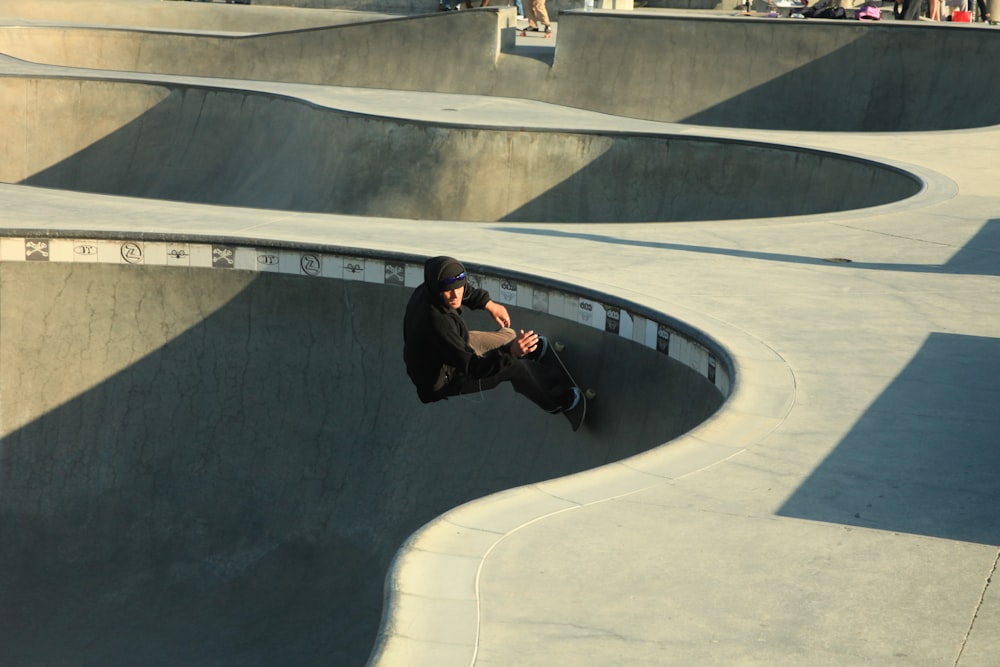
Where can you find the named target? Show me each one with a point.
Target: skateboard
(525, 32)
(552, 358)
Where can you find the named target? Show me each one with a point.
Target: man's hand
(525, 343)
(499, 313)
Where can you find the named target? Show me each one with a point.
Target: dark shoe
(548, 28)
(576, 411)
(540, 350)
(571, 400)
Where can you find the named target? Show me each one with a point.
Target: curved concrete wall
(710, 70)
(165, 15)
(192, 452)
(400, 53)
(779, 74)
(240, 148)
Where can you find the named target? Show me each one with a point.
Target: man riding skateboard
(443, 358)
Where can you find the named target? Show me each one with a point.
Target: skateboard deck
(525, 32)
(552, 358)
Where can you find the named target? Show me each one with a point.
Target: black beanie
(437, 271)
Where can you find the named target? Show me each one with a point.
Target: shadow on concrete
(543, 54)
(883, 81)
(980, 256)
(230, 460)
(203, 145)
(924, 458)
(676, 179)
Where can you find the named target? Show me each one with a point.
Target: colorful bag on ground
(868, 12)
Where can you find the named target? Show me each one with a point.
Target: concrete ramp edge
(431, 610)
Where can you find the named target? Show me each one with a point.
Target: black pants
(912, 10)
(539, 383)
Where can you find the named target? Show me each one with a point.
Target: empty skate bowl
(223, 146)
(215, 466)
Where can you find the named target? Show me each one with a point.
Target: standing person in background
(534, 11)
(911, 10)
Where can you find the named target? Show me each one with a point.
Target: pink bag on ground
(868, 13)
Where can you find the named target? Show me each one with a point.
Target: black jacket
(436, 345)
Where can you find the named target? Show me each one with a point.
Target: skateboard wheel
(590, 394)
(558, 347)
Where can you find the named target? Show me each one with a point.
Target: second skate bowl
(234, 147)
(208, 466)
(706, 69)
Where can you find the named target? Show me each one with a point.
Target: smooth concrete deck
(839, 509)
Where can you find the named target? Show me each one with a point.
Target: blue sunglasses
(452, 281)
